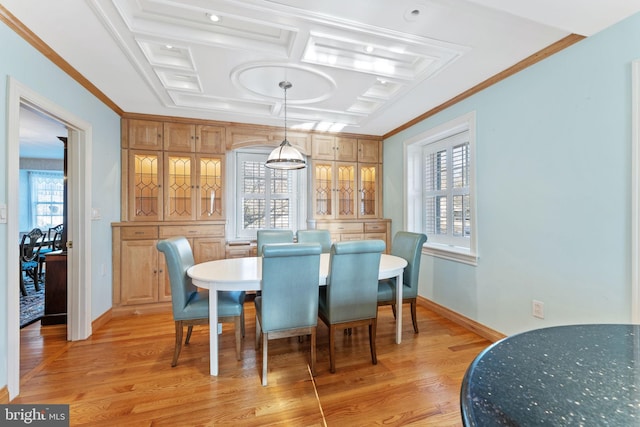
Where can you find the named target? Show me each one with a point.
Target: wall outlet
(538, 309)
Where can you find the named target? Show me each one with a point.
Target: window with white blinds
(440, 190)
(265, 198)
(447, 210)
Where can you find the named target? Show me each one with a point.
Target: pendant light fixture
(285, 157)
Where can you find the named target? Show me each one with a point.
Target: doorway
(79, 233)
(42, 206)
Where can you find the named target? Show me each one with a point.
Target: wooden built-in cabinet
(343, 189)
(342, 231)
(170, 185)
(140, 274)
(173, 172)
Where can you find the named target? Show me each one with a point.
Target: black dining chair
(52, 241)
(30, 258)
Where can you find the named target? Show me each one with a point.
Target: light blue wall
(553, 191)
(30, 68)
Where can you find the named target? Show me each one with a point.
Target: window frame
(34, 201)
(414, 188)
(298, 195)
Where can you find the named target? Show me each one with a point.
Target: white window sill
(451, 253)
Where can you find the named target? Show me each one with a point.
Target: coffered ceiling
(361, 66)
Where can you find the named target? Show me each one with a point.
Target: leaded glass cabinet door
(179, 187)
(368, 198)
(145, 186)
(346, 190)
(323, 189)
(210, 172)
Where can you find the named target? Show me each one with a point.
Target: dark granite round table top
(578, 375)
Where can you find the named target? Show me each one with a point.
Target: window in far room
(440, 189)
(47, 198)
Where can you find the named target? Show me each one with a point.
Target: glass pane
(435, 173)
(253, 178)
(346, 192)
(179, 186)
(440, 215)
(460, 166)
(211, 186)
(368, 186)
(146, 185)
(280, 213)
(280, 181)
(253, 213)
(323, 189)
(436, 215)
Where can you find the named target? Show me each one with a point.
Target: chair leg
(372, 340)
(313, 351)
(258, 333)
(23, 288)
(238, 330)
(332, 348)
(189, 330)
(242, 320)
(265, 341)
(178, 345)
(414, 318)
(393, 309)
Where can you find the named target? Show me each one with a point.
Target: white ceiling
(424, 52)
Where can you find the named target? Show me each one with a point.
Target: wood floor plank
(122, 375)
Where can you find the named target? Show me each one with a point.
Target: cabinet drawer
(375, 227)
(381, 236)
(343, 227)
(240, 251)
(139, 233)
(351, 236)
(191, 231)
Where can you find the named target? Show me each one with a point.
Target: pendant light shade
(285, 156)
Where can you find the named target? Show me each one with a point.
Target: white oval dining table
(245, 274)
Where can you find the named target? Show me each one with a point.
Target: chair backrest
(55, 237)
(179, 257)
(30, 245)
(290, 278)
(316, 236)
(408, 245)
(352, 284)
(265, 237)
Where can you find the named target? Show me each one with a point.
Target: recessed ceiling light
(213, 17)
(368, 49)
(414, 13)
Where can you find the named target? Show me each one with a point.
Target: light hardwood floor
(121, 376)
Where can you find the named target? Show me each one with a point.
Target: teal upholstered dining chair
(316, 236)
(406, 245)
(288, 305)
(191, 307)
(265, 237)
(351, 295)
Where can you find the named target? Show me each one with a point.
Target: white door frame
(635, 192)
(79, 232)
